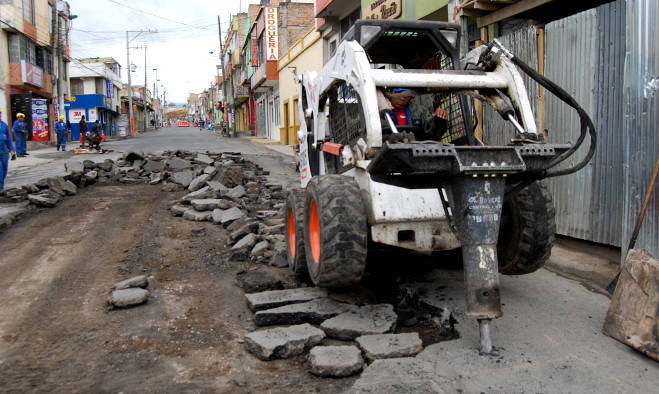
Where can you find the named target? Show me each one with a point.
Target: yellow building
(305, 55)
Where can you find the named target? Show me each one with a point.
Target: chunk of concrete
(206, 204)
(135, 281)
(314, 311)
(231, 214)
(203, 193)
(179, 209)
(203, 159)
(368, 319)
(276, 298)
(283, 342)
(128, 297)
(260, 248)
(154, 166)
(335, 361)
(178, 164)
(197, 216)
(236, 192)
(198, 182)
(216, 216)
(183, 178)
(390, 345)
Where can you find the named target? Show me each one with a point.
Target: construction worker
(6, 151)
(20, 134)
(406, 111)
(61, 129)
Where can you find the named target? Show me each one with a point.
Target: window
(76, 87)
(20, 48)
(275, 109)
(28, 11)
(44, 60)
(100, 83)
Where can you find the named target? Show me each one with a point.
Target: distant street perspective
(219, 313)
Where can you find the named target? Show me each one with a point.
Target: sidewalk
(272, 144)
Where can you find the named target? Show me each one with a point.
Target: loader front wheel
(294, 225)
(527, 230)
(335, 231)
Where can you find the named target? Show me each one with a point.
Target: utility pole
(224, 92)
(145, 85)
(55, 45)
(130, 90)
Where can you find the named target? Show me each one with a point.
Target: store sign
(271, 33)
(92, 115)
(31, 74)
(40, 119)
(75, 115)
(108, 88)
(255, 53)
(382, 9)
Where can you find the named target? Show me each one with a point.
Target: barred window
(77, 87)
(346, 118)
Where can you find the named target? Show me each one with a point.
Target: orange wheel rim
(314, 232)
(291, 233)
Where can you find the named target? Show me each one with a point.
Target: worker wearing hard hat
(61, 129)
(6, 151)
(20, 134)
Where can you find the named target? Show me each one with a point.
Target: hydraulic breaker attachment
(476, 203)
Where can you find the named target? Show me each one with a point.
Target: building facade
(33, 62)
(95, 93)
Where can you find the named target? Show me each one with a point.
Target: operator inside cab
(405, 111)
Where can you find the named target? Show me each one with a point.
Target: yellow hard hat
(61, 117)
(18, 115)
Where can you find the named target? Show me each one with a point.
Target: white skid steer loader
(429, 185)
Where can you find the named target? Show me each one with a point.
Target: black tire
(527, 231)
(294, 227)
(335, 231)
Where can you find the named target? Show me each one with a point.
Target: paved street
(549, 339)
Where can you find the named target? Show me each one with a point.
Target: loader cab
(420, 45)
(409, 44)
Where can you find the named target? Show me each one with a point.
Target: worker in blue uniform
(6, 151)
(61, 129)
(20, 134)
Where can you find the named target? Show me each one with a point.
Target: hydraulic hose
(587, 126)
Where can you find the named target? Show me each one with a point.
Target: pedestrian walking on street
(201, 124)
(61, 129)
(83, 130)
(6, 151)
(20, 134)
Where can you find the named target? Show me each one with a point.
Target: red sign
(255, 53)
(31, 74)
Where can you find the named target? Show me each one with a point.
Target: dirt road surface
(59, 335)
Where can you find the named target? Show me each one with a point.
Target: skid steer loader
(365, 179)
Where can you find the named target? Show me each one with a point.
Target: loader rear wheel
(335, 231)
(527, 231)
(294, 225)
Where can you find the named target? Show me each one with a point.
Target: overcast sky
(185, 32)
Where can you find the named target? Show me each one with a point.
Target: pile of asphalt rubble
(227, 190)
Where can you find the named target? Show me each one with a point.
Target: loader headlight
(367, 33)
(451, 36)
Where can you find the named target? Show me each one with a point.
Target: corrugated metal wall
(584, 54)
(641, 122)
